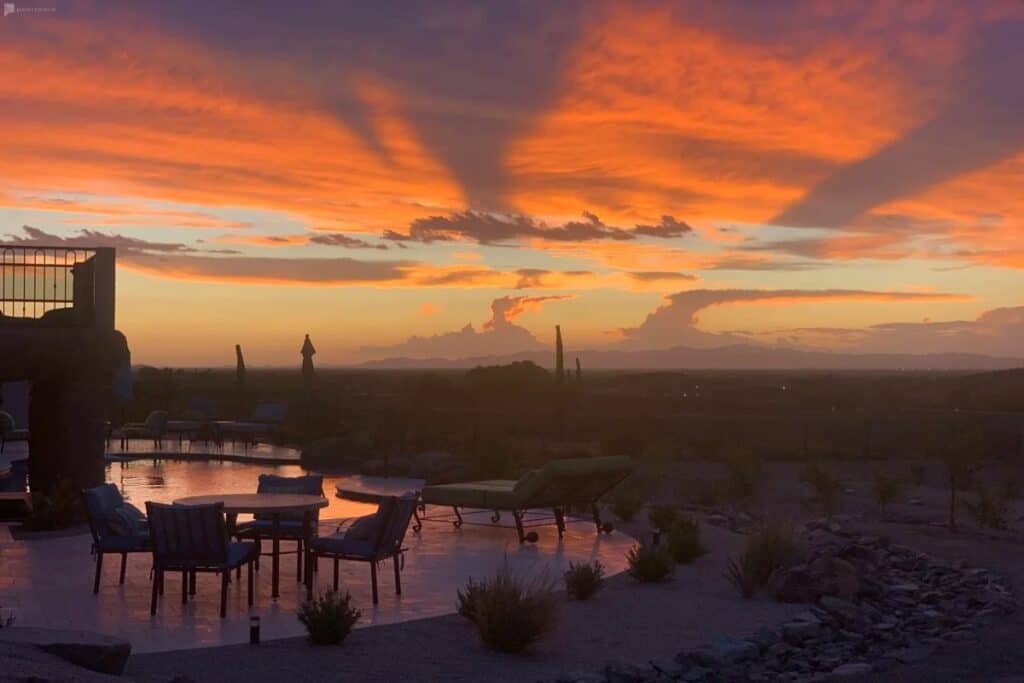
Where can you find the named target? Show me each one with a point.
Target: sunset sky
(839, 175)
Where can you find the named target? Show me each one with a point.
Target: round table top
(258, 502)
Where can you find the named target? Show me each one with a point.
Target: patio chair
(266, 418)
(371, 539)
(9, 430)
(196, 420)
(153, 428)
(291, 528)
(557, 485)
(117, 527)
(191, 539)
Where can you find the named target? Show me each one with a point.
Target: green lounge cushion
(559, 482)
(490, 494)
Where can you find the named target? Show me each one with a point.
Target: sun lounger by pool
(555, 486)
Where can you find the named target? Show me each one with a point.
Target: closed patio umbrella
(307, 361)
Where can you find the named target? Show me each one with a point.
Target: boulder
(835, 576)
(92, 651)
(794, 584)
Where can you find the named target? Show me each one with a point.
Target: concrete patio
(46, 581)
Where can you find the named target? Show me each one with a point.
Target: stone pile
(872, 606)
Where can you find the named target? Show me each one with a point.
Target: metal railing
(37, 280)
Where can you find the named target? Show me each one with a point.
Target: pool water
(167, 480)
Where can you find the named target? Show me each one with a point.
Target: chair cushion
(100, 503)
(490, 494)
(240, 553)
(364, 529)
(341, 544)
(123, 544)
(127, 520)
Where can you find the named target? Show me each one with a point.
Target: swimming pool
(164, 481)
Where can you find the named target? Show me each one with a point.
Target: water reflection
(168, 480)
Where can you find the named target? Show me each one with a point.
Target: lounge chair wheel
(532, 537)
(607, 527)
(457, 524)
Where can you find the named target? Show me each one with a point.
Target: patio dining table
(271, 504)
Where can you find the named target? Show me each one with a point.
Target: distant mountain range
(736, 357)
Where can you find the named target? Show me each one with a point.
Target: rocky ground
(872, 606)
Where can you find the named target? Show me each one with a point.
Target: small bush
(684, 541)
(826, 487)
(6, 620)
(626, 502)
(990, 510)
(663, 517)
(886, 490)
(328, 618)
(469, 597)
(743, 575)
(57, 508)
(510, 614)
(767, 551)
(584, 579)
(650, 564)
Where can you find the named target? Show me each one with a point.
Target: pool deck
(186, 449)
(47, 582)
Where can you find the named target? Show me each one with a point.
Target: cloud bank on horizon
(650, 174)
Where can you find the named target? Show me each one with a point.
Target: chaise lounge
(557, 485)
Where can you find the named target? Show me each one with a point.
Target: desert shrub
(328, 618)
(626, 502)
(467, 598)
(767, 551)
(827, 489)
(58, 508)
(650, 564)
(742, 574)
(745, 474)
(990, 510)
(662, 517)
(886, 489)
(584, 579)
(6, 620)
(510, 613)
(684, 540)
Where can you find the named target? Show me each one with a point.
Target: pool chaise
(556, 486)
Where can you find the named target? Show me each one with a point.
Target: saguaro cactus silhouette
(559, 356)
(579, 371)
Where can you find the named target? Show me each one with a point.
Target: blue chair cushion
(240, 553)
(364, 529)
(127, 520)
(123, 544)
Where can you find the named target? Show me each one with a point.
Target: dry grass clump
(584, 579)
(510, 613)
(650, 564)
(329, 618)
